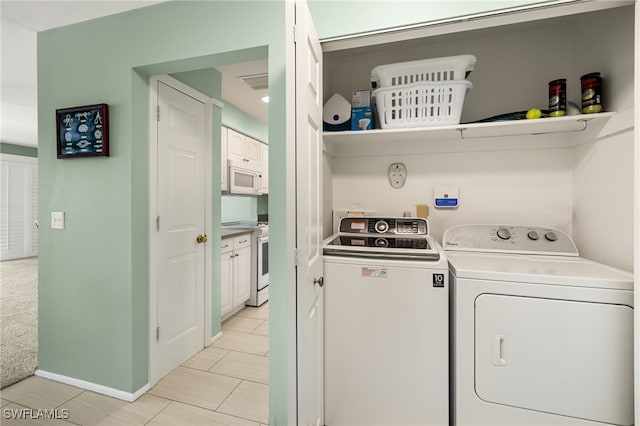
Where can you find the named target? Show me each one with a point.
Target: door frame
(153, 202)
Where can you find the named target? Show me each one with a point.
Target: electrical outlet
(397, 175)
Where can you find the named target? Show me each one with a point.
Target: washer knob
(381, 226)
(504, 233)
(551, 236)
(533, 235)
(381, 242)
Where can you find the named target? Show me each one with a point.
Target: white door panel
(555, 356)
(181, 208)
(235, 146)
(309, 220)
(252, 152)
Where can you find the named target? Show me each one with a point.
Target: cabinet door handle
(236, 255)
(200, 239)
(319, 281)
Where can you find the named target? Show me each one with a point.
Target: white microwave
(243, 181)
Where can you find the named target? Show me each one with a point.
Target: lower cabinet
(236, 273)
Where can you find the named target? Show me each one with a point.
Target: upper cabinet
(224, 169)
(246, 152)
(264, 160)
(242, 149)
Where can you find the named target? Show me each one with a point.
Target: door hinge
(295, 257)
(158, 113)
(158, 334)
(295, 34)
(157, 223)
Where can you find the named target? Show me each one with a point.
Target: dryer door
(562, 357)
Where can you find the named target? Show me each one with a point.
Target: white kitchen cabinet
(236, 268)
(224, 168)
(227, 275)
(243, 150)
(242, 272)
(264, 161)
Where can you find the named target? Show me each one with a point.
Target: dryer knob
(504, 233)
(551, 236)
(381, 226)
(533, 235)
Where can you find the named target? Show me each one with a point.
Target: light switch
(57, 220)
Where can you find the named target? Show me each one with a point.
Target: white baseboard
(214, 338)
(104, 390)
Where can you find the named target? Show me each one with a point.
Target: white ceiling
(20, 22)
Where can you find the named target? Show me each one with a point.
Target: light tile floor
(227, 383)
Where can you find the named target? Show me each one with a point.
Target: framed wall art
(83, 131)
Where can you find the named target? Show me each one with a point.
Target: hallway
(227, 383)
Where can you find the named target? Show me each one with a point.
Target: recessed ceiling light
(265, 99)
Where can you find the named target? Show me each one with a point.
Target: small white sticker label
(358, 225)
(374, 272)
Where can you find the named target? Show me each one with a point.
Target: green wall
(243, 208)
(334, 18)
(244, 123)
(93, 289)
(25, 151)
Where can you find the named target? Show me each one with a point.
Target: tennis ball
(534, 113)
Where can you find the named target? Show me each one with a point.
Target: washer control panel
(515, 239)
(384, 225)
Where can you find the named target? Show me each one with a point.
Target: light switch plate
(57, 220)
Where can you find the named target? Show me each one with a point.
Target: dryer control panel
(516, 239)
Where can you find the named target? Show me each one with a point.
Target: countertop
(232, 232)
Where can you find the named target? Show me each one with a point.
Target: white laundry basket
(435, 69)
(437, 103)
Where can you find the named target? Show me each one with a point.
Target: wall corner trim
(94, 387)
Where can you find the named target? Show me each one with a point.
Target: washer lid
(554, 270)
(382, 247)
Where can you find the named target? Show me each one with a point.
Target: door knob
(200, 239)
(319, 281)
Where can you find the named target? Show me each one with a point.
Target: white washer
(540, 336)
(386, 331)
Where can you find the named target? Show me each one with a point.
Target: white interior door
(309, 220)
(182, 131)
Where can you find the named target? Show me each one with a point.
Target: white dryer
(539, 335)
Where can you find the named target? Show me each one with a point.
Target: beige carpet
(18, 319)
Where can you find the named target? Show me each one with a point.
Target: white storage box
(437, 103)
(436, 69)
